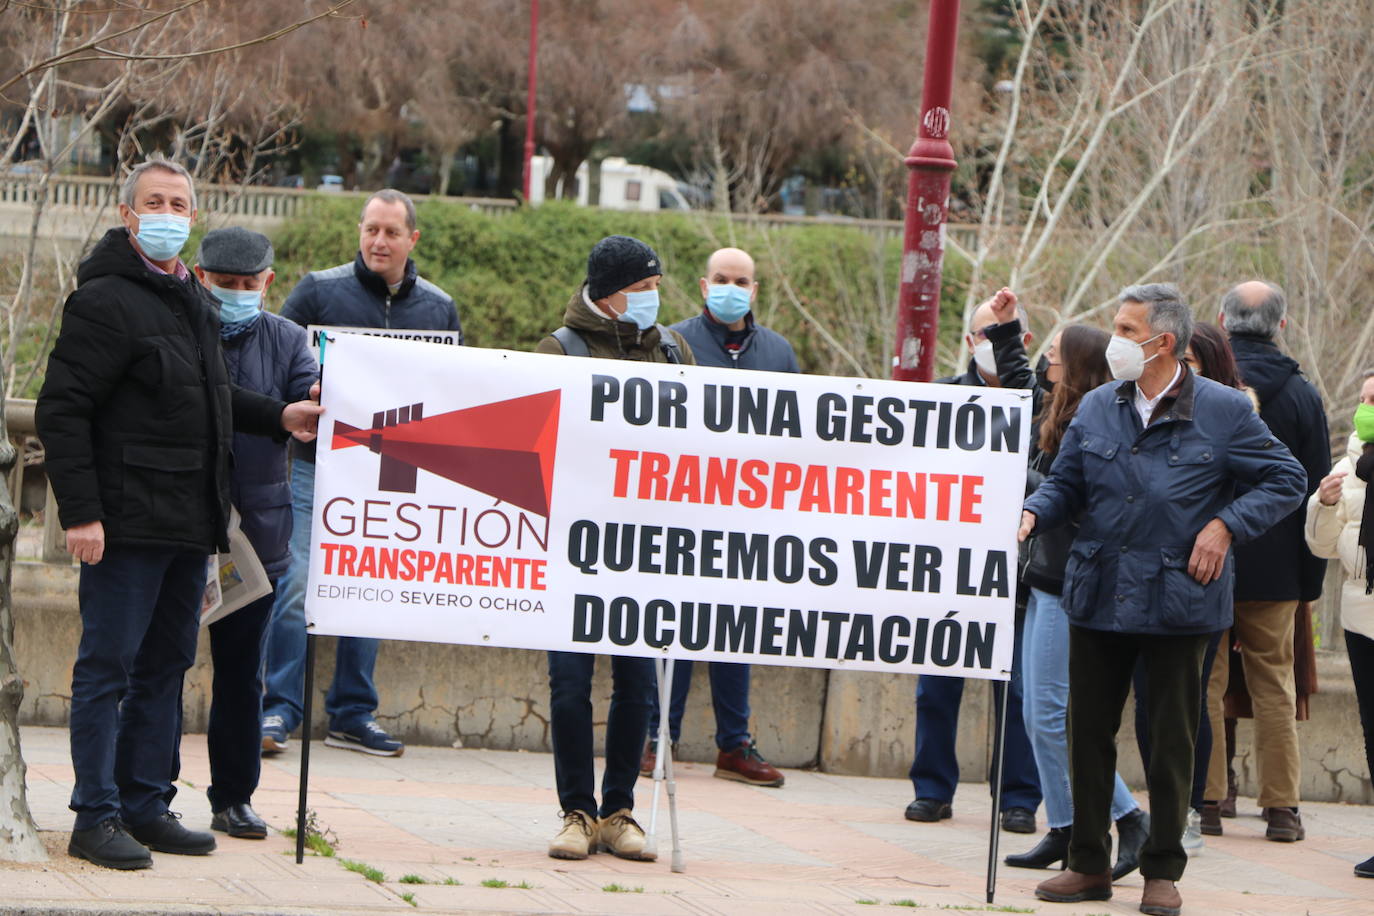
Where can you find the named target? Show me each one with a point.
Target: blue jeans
(729, 697)
(140, 619)
(627, 721)
(352, 697)
(1045, 706)
(935, 771)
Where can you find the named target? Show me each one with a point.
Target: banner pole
(1001, 691)
(305, 745)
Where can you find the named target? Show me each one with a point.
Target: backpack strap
(571, 342)
(668, 344)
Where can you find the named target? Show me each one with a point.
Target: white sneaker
(1192, 833)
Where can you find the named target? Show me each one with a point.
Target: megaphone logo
(504, 449)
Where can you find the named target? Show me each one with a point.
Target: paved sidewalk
(473, 826)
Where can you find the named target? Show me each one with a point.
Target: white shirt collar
(1146, 406)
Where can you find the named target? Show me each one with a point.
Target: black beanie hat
(619, 261)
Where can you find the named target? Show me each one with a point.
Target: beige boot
(622, 836)
(578, 837)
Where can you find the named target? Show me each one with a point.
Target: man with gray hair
(1275, 572)
(1163, 471)
(379, 289)
(137, 416)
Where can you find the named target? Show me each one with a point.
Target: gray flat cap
(234, 251)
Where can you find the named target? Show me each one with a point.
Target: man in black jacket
(1275, 571)
(935, 768)
(379, 289)
(137, 416)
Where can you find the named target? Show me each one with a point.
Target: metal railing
(266, 207)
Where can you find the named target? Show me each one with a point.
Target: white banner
(330, 331)
(531, 501)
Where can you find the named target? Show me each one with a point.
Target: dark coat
(271, 357)
(760, 347)
(611, 339)
(354, 296)
(1146, 492)
(137, 411)
(1277, 566)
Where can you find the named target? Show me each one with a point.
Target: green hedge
(512, 274)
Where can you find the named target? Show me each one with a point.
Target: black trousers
(1361, 650)
(234, 736)
(1100, 667)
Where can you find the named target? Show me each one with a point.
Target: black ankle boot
(1132, 832)
(1052, 849)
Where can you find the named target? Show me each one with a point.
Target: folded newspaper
(233, 579)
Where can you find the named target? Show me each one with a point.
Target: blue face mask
(641, 309)
(236, 305)
(727, 302)
(162, 235)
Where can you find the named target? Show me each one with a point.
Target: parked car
(330, 183)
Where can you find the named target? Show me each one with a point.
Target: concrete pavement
(467, 831)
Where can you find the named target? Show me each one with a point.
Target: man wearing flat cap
(268, 354)
(137, 417)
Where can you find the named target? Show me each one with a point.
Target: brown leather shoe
(1161, 898)
(746, 764)
(1074, 887)
(1211, 819)
(1285, 826)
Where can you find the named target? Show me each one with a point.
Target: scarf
(1364, 469)
(228, 332)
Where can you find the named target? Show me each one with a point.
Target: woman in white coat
(1340, 525)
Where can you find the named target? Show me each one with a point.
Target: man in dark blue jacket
(268, 354)
(1153, 463)
(726, 335)
(380, 289)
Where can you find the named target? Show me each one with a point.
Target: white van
(624, 186)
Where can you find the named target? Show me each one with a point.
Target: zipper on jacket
(386, 318)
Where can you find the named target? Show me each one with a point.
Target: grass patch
(495, 882)
(469, 858)
(906, 903)
(413, 879)
(319, 839)
(865, 901)
(409, 898)
(622, 889)
(452, 882)
(362, 868)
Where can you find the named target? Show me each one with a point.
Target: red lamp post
(931, 161)
(533, 82)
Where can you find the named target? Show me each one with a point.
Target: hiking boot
(108, 844)
(929, 810)
(273, 735)
(1018, 820)
(167, 835)
(577, 839)
(1211, 819)
(1192, 833)
(746, 764)
(621, 836)
(1132, 830)
(1285, 826)
(1161, 898)
(1052, 850)
(1075, 887)
(368, 737)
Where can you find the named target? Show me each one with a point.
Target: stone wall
(842, 722)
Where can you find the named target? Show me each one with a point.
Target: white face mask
(985, 359)
(1126, 358)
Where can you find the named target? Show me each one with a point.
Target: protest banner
(510, 499)
(315, 331)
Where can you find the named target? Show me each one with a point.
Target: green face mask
(1364, 422)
